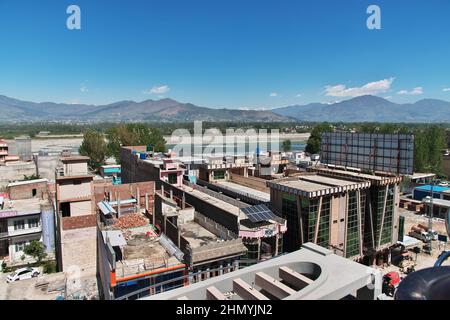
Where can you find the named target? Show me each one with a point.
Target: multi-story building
(76, 222)
(354, 214)
(139, 165)
(133, 258)
(207, 246)
(270, 163)
(25, 215)
(260, 229)
(3, 150)
(218, 168)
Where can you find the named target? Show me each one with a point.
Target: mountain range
(164, 110)
(370, 109)
(360, 109)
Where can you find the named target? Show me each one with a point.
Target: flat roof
(438, 202)
(115, 237)
(110, 166)
(197, 235)
(379, 178)
(74, 158)
(20, 183)
(212, 200)
(427, 187)
(312, 273)
(315, 185)
(22, 207)
(417, 175)
(244, 189)
(142, 252)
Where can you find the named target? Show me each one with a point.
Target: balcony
(21, 232)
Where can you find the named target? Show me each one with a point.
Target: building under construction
(353, 213)
(342, 208)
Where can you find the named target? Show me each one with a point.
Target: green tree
(36, 250)
(134, 135)
(31, 177)
(314, 142)
(287, 145)
(428, 145)
(94, 147)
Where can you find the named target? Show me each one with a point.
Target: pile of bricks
(132, 220)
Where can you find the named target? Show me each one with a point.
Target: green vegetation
(9, 131)
(429, 141)
(31, 177)
(134, 135)
(286, 146)
(36, 250)
(94, 147)
(428, 145)
(314, 141)
(50, 267)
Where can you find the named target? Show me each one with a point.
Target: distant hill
(370, 109)
(164, 110)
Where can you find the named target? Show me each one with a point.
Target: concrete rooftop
(197, 235)
(315, 185)
(311, 273)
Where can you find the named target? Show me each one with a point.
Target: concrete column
(319, 209)
(146, 201)
(259, 249)
(277, 236)
(138, 199)
(153, 208)
(118, 204)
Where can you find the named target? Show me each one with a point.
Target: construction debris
(132, 220)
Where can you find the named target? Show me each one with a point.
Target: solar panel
(259, 213)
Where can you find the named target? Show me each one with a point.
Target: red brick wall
(70, 223)
(26, 191)
(125, 191)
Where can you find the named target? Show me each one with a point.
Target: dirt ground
(422, 260)
(49, 286)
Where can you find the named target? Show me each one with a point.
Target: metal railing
(144, 292)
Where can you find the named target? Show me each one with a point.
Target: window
(173, 178)
(293, 239)
(33, 223)
(19, 225)
(354, 225)
(20, 246)
(323, 234)
(33, 192)
(219, 175)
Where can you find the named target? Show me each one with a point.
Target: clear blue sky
(224, 53)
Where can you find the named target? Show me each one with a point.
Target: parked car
(421, 235)
(22, 274)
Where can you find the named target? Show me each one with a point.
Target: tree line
(98, 146)
(429, 141)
